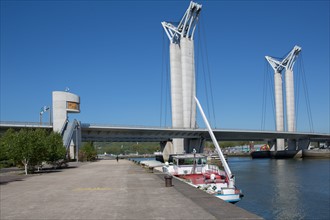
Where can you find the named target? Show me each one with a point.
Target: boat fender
(212, 177)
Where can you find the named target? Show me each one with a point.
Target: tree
(87, 152)
(5, 146)
(29, 148)
(56, 150)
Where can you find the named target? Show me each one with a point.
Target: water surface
(284, 189)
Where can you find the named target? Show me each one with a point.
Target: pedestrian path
(109, 189)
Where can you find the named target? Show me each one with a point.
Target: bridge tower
(65, 102)
(276, 65)
(183, 82)
(287, 63)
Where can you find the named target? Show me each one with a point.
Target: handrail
(64, 126)
(68, 132)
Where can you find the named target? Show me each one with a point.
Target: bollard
(168, 180)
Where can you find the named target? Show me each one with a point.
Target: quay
(108, 189)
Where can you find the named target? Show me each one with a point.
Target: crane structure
(287, 63)
(182, 66)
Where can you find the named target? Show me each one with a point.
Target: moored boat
(194, 170)
(201, 175)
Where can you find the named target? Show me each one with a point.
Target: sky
(114, 55)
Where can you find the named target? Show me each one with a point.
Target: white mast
(230, 176)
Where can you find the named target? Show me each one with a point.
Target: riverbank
(110, 190)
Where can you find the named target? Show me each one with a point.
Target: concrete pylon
(279, 108)
(188, 82)
(183, 82)
(289, 91)
(176, 95)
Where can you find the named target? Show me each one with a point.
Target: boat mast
(215, 142)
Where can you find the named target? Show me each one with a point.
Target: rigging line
(209, 73)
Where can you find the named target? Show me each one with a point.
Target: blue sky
(112, 54)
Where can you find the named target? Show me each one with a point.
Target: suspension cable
(203, 71)
(272, 94)
(206, 72)
(264, 95)
(308, 105)
(161, 81)
(168, 93)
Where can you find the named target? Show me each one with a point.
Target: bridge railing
(86, 125)
(24, 124)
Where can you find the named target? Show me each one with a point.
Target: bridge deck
(108, 133)
(110, 190)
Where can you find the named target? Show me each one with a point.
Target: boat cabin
(189, 163)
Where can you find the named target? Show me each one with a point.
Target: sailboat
(193, 169)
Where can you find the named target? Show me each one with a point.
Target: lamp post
(40, 117)
(42, 111)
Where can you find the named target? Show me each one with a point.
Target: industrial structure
(183, 82)
(286, 64)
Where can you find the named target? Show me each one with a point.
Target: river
(284, 189)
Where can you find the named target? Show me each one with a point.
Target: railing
(64, 126)
(68, 132)
(24, 124)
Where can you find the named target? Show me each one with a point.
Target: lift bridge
(75, 132)
(184, 135)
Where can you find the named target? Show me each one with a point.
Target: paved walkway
(109, 190)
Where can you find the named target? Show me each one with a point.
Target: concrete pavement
(109, 190)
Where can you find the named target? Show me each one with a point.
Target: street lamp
(42, 111)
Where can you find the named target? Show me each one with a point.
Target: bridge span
(110, 133)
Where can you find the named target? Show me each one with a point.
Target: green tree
(26, 147)
(87, 152)
(5, 146)
(56, 150)
(30, 148)
(39, 149)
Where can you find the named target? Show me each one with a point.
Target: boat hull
(218, 188)
(231, 198)
(284, 154)
(260, 154)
